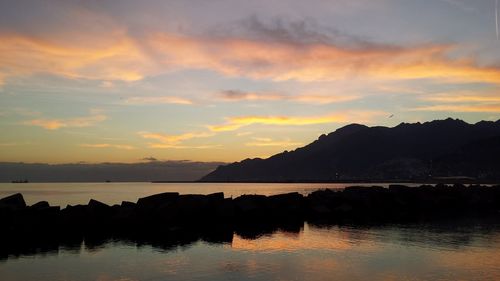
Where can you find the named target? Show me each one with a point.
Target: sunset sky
(223, 80)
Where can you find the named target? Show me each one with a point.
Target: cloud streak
(107, 145)
(118, 58)
(235, 123)
(175, 141)
(489, 108)
(121, 57)
(158, 100)
(264, 142)
(237, 95)
(78, 122)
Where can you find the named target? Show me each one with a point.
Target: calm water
(457, 250)
(61, 194)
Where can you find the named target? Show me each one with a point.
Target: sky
(224, 80)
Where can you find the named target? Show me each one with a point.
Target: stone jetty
(171, 212)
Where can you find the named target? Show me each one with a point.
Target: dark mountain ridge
(418, 151)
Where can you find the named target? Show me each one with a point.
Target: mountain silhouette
(418, 151)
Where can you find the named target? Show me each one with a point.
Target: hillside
(418, 151)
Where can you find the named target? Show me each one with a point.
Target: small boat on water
(20, 181)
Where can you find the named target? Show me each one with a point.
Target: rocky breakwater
(172, 213)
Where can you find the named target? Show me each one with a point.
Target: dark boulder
(127, 204)
(97, 208)
(289, 205)
(15, 201)
(155, 201)
(251, 207)
(40, 205)
(399, 188)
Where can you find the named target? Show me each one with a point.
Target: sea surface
(466, 249)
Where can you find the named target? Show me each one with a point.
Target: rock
(155, 201)
(15, 201)
(251, 206)
(319, 210)
(127, 204)
(96, 205)
(399, 188)
(40, 205)
(364, 189)
(74, 212)
(286, 205)
(225, 210)
(344, 208)
(216, 197)
(98, 209)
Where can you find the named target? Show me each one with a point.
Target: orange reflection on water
(310, 238)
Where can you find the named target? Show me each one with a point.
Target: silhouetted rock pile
(178, 215)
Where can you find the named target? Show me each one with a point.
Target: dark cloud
(233, 95)
(120, 172)
(296, 32)
(151, 158)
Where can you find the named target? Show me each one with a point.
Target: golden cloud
(316, 61)
(461, 97)
(115, 59)
(124, 58)
(234, 123)
(261, 142)
(492, 108)
(107, 145)
(78, 122)
(174, 141)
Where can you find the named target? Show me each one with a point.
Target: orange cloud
(316, 61)
(174, 141)
(493, 108)
(117, 58)
(462, 97)
(120, 57)
(54, 124)
(107, 145)
(234, 123)
(270, 142)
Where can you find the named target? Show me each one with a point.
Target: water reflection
(464, 249)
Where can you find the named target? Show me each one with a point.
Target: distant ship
(20, 181)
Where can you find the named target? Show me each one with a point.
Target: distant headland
(448, 150)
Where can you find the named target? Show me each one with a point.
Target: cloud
(461, 97)
(158, 100)
(115, 58)
(274, 50)
(174, 141)
(242, 134)
(78, 122)
(270, 142)
(492, 108)
(107, 145)
(120, 56)
(234, 123)
(316, 61)
(236, 95)
(150, 158)
(462, 101)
